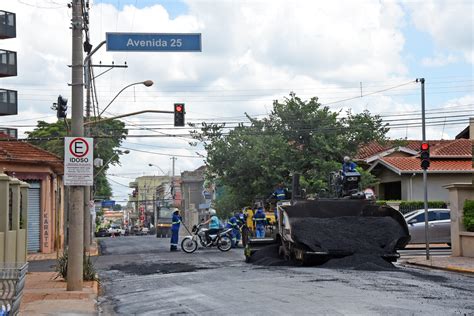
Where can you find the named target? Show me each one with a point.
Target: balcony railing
(7, 25)
(8, 66)
(8, 102)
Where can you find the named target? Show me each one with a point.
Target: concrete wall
(12, 235)
(412, 187)
(462, 242)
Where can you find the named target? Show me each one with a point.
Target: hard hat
(347, 159)
(212, 211)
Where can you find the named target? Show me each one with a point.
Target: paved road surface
(139, 276)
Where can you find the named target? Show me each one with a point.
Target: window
(11, 19)
(11, 58)
(12, 95)
(444, 215)
(3, 96)
(421, 217)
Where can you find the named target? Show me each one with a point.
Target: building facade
(398, 167)
(43, 171)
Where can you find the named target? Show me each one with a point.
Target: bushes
(408, 206)
(89, 273)
(468, 220)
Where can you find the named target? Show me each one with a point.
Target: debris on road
(362, 239)
(153, 268)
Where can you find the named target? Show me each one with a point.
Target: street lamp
(113, 156)
(152, 165)
(146, 83)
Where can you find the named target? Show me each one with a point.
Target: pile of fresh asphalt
(366, 239)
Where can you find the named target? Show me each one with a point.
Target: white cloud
(450, 23)
(253, 53)
(439, 60)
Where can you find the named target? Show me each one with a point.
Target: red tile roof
(443, 148)
(404, 164)
(456, 147)
(17, 151)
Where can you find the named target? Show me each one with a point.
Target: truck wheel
(189, 245)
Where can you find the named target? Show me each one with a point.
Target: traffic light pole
(76, 215)
(425, 172)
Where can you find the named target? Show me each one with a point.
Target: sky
(352, 55)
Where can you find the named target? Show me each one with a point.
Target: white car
(439, 221)
(115, 229)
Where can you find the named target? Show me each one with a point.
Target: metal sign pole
(425, 173)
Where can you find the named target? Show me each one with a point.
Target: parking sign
(78, 161)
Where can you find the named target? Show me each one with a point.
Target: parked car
(102, 232)
(439, 221)
(140, 231)
(115, 229)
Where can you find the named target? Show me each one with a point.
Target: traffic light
(61, 107)
(425, 156)
(179, 114)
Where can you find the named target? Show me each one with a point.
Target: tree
(107, 135)
(298, 136)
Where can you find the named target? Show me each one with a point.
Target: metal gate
(34, 216)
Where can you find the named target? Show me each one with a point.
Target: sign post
(78, 161)
(153, 42)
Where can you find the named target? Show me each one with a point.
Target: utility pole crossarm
(127, 114)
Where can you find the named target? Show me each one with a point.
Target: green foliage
(367, 180)
(107, 135)
(408, 206)
(227, 203)
(298, 136)
(89, 272)
(468, 218)
(117, 207)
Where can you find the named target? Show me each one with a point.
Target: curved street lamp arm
(118, 95)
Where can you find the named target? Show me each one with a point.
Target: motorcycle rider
(260, 222)
(214, 225)
(175, 223)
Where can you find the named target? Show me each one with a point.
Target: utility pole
(173, 159)
(76, 219)
(87, 190)
(425, 172)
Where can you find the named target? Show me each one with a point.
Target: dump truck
(315, 231)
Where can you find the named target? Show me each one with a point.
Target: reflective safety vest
(175, 221)
(260, 218)
(280, 194)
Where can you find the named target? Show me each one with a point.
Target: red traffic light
(178, 108)
(425, 146)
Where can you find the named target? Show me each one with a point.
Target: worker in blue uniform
(280, 192)
(260, 220)
(232, 223)
(348, 165)
(175, 223)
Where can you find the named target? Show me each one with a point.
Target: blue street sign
(153, 42)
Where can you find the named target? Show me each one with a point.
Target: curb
(447, 268)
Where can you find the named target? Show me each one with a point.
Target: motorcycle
(223, 239)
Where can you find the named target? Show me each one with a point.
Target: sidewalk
(94, 251)
(43, 295)
(454, 264)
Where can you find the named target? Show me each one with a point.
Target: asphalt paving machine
(315, 231)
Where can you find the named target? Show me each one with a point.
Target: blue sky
(174, 7)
